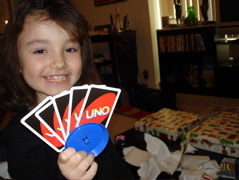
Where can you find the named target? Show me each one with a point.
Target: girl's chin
(58, 91)
(52, 93)
(43, 95)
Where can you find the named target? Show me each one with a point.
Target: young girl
(46, 51)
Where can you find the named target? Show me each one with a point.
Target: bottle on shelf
(191, 18)
(118, 22)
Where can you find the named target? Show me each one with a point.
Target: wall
(138, 13)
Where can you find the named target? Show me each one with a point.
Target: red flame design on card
(49, 136)
(65, 119)
(76, 112)
(99, 109)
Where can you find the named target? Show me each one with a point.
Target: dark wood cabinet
(187, 59)
(123, 59)
(226, 81)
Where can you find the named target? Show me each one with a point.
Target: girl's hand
(77, 165)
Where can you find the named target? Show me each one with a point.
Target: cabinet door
(126, 58)
(226, 81)
(123, 59)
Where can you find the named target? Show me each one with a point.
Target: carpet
(131, 111)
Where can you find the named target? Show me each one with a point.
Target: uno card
(31, 122)
(77, 99)
(61, 105)
(99, 105)
(47, 116)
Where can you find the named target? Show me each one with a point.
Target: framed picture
(104, 2)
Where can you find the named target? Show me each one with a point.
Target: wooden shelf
(190, 53)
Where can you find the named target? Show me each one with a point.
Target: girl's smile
(57, 79)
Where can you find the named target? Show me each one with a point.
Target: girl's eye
(71, 50)
(40, 51)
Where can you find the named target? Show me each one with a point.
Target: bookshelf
(187, 59)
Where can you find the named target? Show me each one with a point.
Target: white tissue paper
(198, 167)
(4, 170)
(159, 159)
(135, 156)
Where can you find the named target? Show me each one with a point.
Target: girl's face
(50, 60)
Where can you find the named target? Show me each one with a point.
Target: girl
(46, 51)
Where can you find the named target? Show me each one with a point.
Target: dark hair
(14, 90)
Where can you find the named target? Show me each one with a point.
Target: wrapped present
(218, 134)
(168, 123)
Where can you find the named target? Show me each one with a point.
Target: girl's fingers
(71, 159)
(65, 155)
(91, 172)
(85, 164)
(77, 165)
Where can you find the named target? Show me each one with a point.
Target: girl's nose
(58, 62)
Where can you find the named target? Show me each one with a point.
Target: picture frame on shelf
(104, 2)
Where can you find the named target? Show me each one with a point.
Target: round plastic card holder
(89, 137)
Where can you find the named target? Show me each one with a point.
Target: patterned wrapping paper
(218, 134)
(168, 123)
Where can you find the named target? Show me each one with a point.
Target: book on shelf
(181, 43)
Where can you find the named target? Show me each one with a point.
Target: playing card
(54, 118)
(61, 106)
(31, 122)
(99, 104)
(77, 99)
(47, 116)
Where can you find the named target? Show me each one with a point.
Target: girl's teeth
(56, 78)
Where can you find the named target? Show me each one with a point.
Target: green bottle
(191, 18)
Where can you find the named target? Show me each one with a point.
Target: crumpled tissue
(159, 159)
(198, 167)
